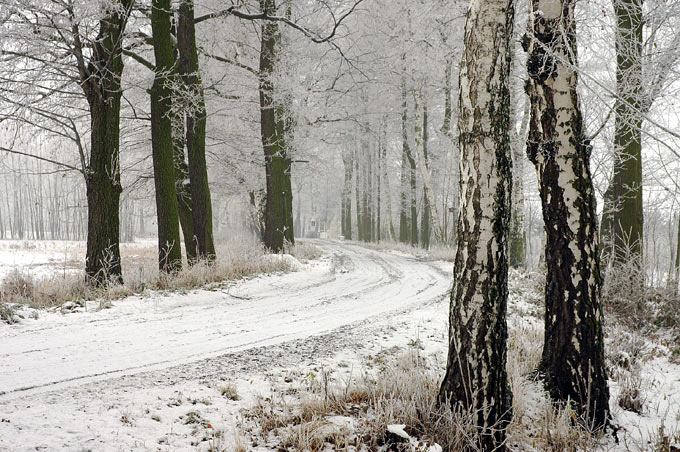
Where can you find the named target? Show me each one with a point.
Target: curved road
(349, 285)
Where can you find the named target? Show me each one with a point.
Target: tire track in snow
(351, 286)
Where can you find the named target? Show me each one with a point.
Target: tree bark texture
(573, 353)
(101, 84)
(517, 231)
(167, 212)
(622, 218)
(196, 118)
(348, 161)
(279, 196)
(183, 188)
(476, 376)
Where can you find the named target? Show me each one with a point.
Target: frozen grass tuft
(627, 296)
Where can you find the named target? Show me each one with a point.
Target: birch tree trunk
(573, 352)
(476, 376)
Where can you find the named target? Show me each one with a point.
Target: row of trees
(63, 75)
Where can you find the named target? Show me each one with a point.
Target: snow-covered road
(139, 334)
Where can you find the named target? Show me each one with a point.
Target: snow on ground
(175, 372)
(53, 257)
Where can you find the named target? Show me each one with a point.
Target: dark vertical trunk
(476, 376)
(386, 181)
(414, 199)
(167, 212)
(357, 189)
(279, 198)
(622, 218)
(676, 273)
(378, 226)
(573, 352)
(101, 84)
(404, 215)
(367, 186)
(427, 214)
(348, 161)
(103, 191)
(183, 189)
(196, 118)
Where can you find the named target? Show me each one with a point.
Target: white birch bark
(476, 377)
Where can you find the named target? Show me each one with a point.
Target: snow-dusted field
(54, 257)
(160, 372)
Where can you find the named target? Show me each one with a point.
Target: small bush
(17, 287)
(230, 391)
(8, 313)
(630, 398)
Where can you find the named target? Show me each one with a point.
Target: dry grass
(327, 413)
(634, 303)
(237, 259)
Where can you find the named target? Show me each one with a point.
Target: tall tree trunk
(573, 352)
(405, 215)
(279, 197)
(676, 272)
(386, 181)
(622, 218)
(348, 161)
(430, 217)
(476, 376)
(414, 198)
(183, 189)
(201, 204)
(421, 148)
(366, 185)
(357, 190)
(101, 84)
(517, 232)
(167, 212)
(378, 175)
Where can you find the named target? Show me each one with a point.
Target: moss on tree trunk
(196, 119)
(476, 377)
(169, 248)
(100, 81)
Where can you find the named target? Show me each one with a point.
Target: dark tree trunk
(167, 212)
(414, 199)
(676, 268)
(183, 189)
(573, 353)
(386, 181)
(348, 161)
(404, 215)
(103, 191)
(279, 198)
(427, 208)
(622, 218)
(357, 193)
(378, 226)
(476, 376)
(101, 83)
(201, 204)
